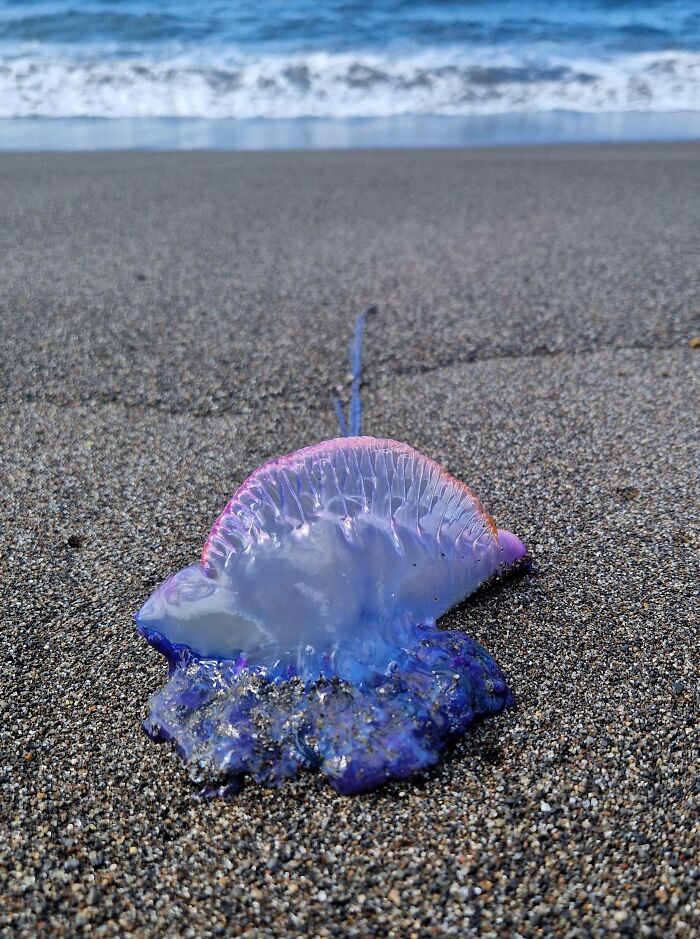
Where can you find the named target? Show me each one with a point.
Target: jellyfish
(306, 637)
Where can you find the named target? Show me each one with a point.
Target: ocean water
(343, 60)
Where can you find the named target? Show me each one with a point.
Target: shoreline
(476, 131)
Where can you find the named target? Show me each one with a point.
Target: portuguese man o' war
(306, 638)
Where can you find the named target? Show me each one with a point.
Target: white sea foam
(227, 85)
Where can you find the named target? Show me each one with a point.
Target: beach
(169, 322)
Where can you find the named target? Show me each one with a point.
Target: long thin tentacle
(355, 422)
(340, 414)
(353, 426)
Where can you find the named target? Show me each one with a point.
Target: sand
(169, 322)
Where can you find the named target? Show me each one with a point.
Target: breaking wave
(340, 85)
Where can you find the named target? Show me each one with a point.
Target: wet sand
(171, 321)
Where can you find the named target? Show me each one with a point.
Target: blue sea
(303, 73)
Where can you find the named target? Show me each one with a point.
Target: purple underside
(228, 720)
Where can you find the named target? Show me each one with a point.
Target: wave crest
(341, 86)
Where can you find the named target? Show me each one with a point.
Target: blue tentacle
(339, 413)
(353, 428)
